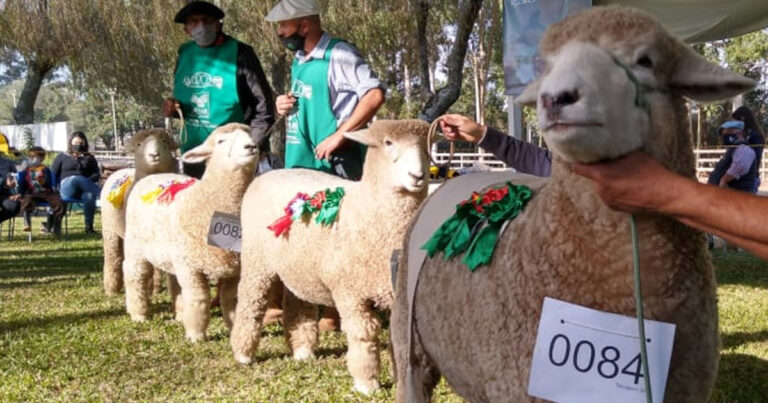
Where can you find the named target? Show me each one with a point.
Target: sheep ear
(530, 94)
(198, 154)
(696, 78)
(364, 136)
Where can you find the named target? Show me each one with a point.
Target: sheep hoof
(303, 354)
(139, 318)
(194, 337)
(243, 359)
(366, 387)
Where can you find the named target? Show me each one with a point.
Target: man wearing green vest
(217, 80)
(333, 91)
(332, 88)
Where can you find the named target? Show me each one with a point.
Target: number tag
(225, 232)
(585, 355)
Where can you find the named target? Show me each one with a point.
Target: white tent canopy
(703, 20)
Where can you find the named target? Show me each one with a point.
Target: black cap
(198, 7)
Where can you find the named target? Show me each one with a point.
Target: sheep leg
(196, 298)
(300, 322)
(113, 263)
(157, 281)
(175, 290)
(228, 300)
(361, 325)
(137, 274)
(252, 299)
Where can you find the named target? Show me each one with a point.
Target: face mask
(78, 148)
(35, 161)
(204, 34)
(729, 139)
(293, 42)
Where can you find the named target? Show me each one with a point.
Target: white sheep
(614, 83)
(172, 236)
(153, 153)
(346, 265)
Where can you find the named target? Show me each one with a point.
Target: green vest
(205, 85)
(313, 121)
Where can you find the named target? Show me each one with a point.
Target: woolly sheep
(172, 237)
(567, 244)
(345, 265)
(153, 152)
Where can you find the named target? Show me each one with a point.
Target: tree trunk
(422, 14)
(279, 72)
(443, 98)
(24, 113)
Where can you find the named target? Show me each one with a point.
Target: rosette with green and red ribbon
(325, 203)
(474, 228)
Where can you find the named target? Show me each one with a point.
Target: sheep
(345, 265)
(154, 153)
(171, 235)
(614, 83)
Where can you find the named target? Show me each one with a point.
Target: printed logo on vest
(201, 104)
(301, 90)
(203, 80)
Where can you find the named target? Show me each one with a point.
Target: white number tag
(584, 355)
(225, 232)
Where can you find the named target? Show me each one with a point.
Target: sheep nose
(154, 155)
(418, 176)
(559, 100)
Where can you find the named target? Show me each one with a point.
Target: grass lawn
(62, 339)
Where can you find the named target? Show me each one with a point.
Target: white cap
(292, 9)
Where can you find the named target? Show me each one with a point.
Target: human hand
(15, 197)
(169, 107)
(326, 147)
(284, 103)
(634, 182)
(459, 127)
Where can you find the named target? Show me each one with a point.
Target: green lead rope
(640, 314)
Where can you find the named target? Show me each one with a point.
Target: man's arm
(349, 73)
(520, 155)
(637, 182)
(742, 160)
(255, 93)
(362, 114)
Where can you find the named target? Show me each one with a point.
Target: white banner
(50, 136)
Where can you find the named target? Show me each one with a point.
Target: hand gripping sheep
(167, 229)
(346, 264)
(614, 83)
(153, 152)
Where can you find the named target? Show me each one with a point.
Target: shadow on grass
(742, 268)
(738, 338)
(328, 352)
(59, 320)
(741, 378)
(44, 268)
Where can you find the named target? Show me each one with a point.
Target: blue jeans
(80, 187)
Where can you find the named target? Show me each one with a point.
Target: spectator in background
(78, 174)
(9, 201)
(754, 134)
(738, 168)
(36, 185)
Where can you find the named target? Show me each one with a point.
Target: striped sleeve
(743, 157)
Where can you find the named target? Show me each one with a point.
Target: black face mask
(78, 148)
(293, 42)
(729, 139)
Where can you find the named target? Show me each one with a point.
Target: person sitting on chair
(35, 186)
(78, 174)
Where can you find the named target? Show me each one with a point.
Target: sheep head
(153, 151)
(613, 84)
(399, 150)
(229, 148)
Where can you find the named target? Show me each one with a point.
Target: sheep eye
(220, 141)
(387, 143)
(645, 61)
